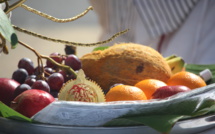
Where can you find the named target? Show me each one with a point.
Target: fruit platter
(125, 88)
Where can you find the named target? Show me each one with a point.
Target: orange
(188, 79)
(125, 93)
(149, 86)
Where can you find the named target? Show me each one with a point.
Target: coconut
(126, 63)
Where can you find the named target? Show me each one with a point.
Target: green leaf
(161, 123)
(7, 30)
(7, 112)
(100, 48)
(200, 67)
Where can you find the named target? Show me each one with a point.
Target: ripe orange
(125, 93)
(149, 86)
(188, 79)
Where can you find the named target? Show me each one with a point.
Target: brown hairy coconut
(126, 63)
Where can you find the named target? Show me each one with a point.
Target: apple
(7, 88)
(29, 102)
(167, 91)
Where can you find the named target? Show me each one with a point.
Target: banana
(176, 63)
(170, 57)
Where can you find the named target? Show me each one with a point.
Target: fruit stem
(63, 67)
(40, 63)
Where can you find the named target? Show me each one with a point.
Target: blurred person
(182, 27)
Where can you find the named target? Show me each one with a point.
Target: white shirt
(193, 39)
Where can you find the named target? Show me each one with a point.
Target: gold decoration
(20, 4)
(14, 5)
(69, 42)
(53, 18)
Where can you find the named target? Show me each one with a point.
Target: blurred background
(83, 30)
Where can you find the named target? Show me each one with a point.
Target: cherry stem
(65, 68)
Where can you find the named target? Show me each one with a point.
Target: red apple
(31, 101)
(167, 91)
(7, 87)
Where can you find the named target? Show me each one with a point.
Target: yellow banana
(170, 57)
(176, 63)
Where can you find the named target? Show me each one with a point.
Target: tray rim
(177, 129)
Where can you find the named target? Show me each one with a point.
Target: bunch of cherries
(53, 78)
